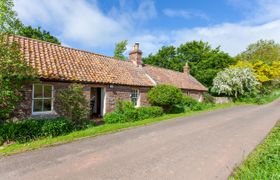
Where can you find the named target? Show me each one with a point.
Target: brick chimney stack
(135, 55)
(187, 69)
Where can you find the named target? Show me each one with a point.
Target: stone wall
(222, 100)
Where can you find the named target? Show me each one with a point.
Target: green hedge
(127, 113)
(31, 129)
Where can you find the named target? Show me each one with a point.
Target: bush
(165, 96)
(189, 102)
(149, 112)
(123, 106)
(126, 112)
(27, 130)
(58, 127)
(21, 131)
(114, 117)
(208, 98)
(235, 82)
(73, 104)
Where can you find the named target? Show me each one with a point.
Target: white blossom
(235, 82)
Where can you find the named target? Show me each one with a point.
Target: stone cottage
(105, 78)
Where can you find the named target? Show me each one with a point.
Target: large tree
(166, 57)
(9, 23)
(120, 48)
(267, 51)
(8, 17)
(37, 33)
(204, 61)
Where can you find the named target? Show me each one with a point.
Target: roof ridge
(71, 48)
(164, 68)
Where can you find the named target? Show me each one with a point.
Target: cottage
(105, 79)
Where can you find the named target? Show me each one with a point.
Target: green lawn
(94, 131)
(264, 162)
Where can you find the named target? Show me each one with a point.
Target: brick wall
(117, 92)
(198, 95)
(123, 93)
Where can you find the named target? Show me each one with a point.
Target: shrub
(208, 98)
(73, 104)
(123, 106)
(189, 102)
(149, 112)
(31, 129)
(21, 131)
(57, 127)
(235, 82)
(126, 112)
(14, 74)
(165, 96)
(114, 117)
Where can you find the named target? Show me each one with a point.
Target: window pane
(134, 97)
(47, 91)
(47, 105)
(37, 105)
(38, 91)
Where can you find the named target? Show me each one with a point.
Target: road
(205, 146)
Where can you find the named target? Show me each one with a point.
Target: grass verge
(264, 162)
(95, 131)
(261, 99)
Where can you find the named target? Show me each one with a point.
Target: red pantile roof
(62, 63)
(55, 62)
(166, 76)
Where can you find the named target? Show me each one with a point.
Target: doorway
(97, 102)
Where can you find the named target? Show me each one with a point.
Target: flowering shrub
(263, 72)
(235, 82)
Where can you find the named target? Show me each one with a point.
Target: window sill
(44, 114)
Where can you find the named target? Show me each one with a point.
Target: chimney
(135, 55)
(186, 69)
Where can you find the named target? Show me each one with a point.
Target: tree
(235, 82)
(204, 61)
(9, 23)
(14, 74)
(261, 70)
(37, 33)
(120, 48)
(8, 18)
(166, 57)
(267, 51)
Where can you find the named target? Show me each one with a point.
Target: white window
(135, 97)
(42, 98)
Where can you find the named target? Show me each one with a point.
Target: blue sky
(96, 25)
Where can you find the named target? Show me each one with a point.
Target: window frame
(138, 97)
(43, 98)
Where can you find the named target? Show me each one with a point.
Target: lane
(206, 146)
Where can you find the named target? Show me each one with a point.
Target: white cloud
(79, 21)
(84, 24)
(187, 14)
(232, 37)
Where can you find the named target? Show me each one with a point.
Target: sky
(97, 25)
